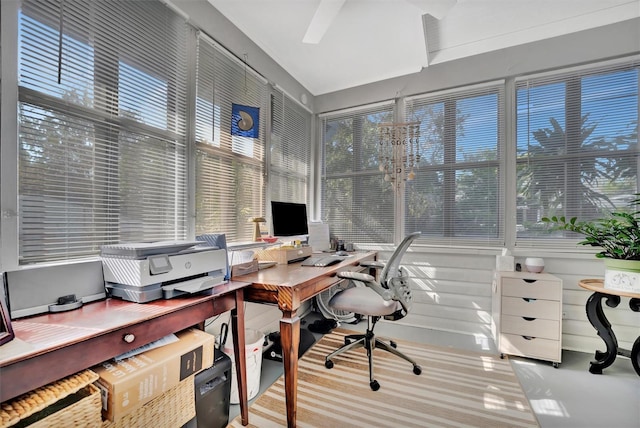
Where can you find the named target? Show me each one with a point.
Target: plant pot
(622, 275)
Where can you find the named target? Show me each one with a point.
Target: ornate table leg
(634, 304)
(599, 321)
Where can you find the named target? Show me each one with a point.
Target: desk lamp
(256, 230)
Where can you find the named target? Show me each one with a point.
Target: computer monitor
(289, 219)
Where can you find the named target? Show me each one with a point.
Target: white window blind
(455, 197)
(290, 148)
(102, 124)
(357, 203)
(230, 185)
(577, 146)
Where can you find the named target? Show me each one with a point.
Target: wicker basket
(70, 402)
(172, 409)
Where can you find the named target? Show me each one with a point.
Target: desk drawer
(536, 347)
(532, 308)
(536, 327)
(535, 289)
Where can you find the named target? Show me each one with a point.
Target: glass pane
(477, 129)
(38, 66)
(359, 209)
(477, 208)
(143, 98)
(424, 204)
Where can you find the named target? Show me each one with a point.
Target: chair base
(370, 342)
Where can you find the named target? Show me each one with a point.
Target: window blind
(102, 124)
(455, 197)
(577, 146)
(289, 149)
(357, 203)
(230, 185)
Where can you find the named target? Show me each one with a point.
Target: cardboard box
(128, 384)
(285, 255)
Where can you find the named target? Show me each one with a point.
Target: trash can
(212, 389)
(253, 351)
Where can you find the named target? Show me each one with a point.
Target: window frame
(567, 241)
(451, 165)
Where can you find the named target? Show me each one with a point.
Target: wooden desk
(52, 346)
(599, 321)
(289, 286)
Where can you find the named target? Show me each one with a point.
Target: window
(102, 126)
(357, 203)
(456, 194)
(577, 146)
(230, 185)
(289, 150)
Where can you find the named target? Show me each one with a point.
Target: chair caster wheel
(393, 344)
(374, 385)
(328, 364)
(417, 370)
(556, 365)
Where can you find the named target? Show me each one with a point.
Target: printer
(143, 272)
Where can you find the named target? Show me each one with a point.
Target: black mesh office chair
(389, 297)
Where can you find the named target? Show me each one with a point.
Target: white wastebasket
(253, 351)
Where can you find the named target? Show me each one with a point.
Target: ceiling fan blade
(322, 19)
(436, 8)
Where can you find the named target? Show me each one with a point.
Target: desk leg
(237, 327)
(290, 341)
(598, 319)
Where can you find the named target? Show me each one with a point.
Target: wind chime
(399, 145)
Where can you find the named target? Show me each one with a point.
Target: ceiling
(349, 43)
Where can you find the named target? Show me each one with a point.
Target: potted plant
(618, 237)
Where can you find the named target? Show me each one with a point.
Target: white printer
(142, 272)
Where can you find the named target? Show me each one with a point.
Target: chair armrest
(372, 264)
(358, 276)
(368, 281)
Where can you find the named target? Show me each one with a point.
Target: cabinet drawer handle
(528, 337)
(528, 318)
(529, 281)
(529, 299)
(129, 337)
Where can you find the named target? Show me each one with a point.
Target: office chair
(389, 297)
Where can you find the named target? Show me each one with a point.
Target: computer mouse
(341, 253)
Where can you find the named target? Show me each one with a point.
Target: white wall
(452, 292)
(601, 43)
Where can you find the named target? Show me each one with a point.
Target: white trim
(356, 109)
(175, 8)
(580, 68)
(202, 35)
(9, 125)
(291, 97)
(456, 90)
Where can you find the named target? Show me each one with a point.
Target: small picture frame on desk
(6, 331)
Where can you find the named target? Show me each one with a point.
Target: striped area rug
(456, 389)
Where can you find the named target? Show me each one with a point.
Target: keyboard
(321, 261)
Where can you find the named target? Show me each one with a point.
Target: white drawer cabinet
(527, 315)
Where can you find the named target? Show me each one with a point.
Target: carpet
(456, 389)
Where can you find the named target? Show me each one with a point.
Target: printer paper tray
(152, 292)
